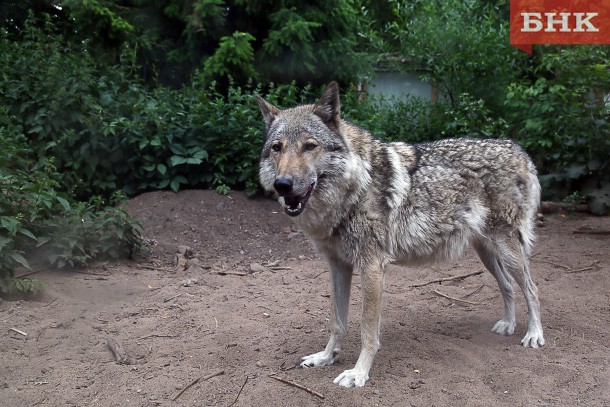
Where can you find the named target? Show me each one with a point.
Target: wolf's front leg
(372, 286)
(341, 281)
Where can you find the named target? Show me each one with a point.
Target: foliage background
(103, 99)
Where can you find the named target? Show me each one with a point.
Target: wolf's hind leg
(341, 281)
(520, 271)
(493, 259)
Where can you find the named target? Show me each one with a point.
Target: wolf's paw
(319, 359)
(352, 378)
(533, 338)
(503, 327)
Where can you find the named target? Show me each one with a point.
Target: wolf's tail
(531, 205)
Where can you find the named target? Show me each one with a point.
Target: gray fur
(366, 204)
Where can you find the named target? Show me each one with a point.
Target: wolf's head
(303, 147)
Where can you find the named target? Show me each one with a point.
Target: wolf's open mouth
(294, 205)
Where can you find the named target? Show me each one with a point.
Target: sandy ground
(234, 314)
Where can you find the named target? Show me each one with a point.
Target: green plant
(555, 115)
(574, 199)
(38, 216)
(461, 46)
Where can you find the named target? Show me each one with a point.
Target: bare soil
(255, 298)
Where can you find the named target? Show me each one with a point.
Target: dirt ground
(255, 298)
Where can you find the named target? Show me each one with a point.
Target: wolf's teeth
(299, 206)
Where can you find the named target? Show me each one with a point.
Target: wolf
(366, 204)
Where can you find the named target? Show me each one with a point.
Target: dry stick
(239, 392)
(18, 331)
(154, 268)
(590, 267)
(570, 269)
(556, 264)
(440, 280)
(591, 232)
(279, 268)
(30, 273)
(456, 299)
(194, 382)
(474, 292)
(171, 298)
(92, 274)
(157, 336)
(297, 385)
(232, 273)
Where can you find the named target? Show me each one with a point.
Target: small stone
(256, 268)
(189, 282)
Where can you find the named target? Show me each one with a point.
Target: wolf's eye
(310, 146)
(277, 147)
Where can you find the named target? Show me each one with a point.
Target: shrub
(37, 216)
(556, 115)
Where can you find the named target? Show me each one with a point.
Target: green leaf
(19, 259)
(175, 185)
(4, 241)
(176, 160)
(64, 202)
(27, 233)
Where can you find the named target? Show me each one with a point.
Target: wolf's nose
(283, 185)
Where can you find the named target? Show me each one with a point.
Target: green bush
(104, 131)
(555, 114)
(416, 120)
(37, 217)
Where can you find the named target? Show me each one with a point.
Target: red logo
(559, 22)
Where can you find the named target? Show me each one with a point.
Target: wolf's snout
(283, 185)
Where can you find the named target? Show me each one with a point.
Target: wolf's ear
(268, 110)
(328, 107)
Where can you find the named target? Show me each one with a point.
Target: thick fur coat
(366, 204)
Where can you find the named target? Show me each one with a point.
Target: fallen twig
(474, 292)
(591, 232)
(171, 298)
(277, 268)
(440, 280)
(155, 268)
(297, 385)
(239, 392)
(556, 264)
(194, 382)
(319, 274)
(31, 272)
(157, 336)
(20, 332)
(456, 299)
(570, 269)
(232, 273)
(590, 267)
(92, 274)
